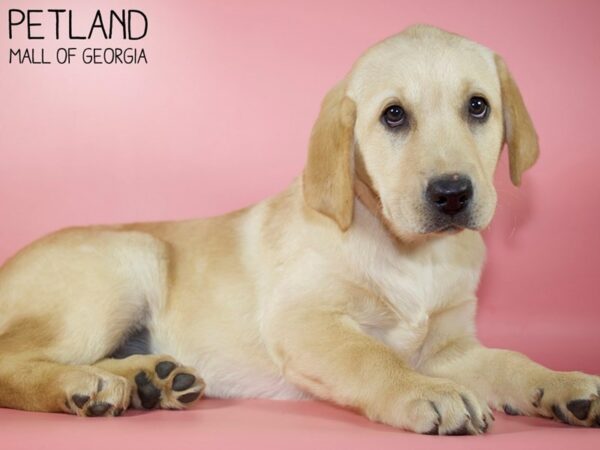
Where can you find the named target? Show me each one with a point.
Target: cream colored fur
(314, 292)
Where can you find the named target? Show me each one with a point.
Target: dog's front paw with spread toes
(441, 408)
(94, 393)
(167, 385)
(572, 398)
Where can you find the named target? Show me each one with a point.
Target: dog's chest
(416, 295)
(410, 288)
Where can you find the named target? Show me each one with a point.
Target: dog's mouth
(449, 229)
(450, 225)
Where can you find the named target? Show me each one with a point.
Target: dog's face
(428, 131)
(420, 121)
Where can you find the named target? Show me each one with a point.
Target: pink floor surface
(264, 424)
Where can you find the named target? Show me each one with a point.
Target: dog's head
(419, 123)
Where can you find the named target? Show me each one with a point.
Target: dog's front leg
(328, 355)
(511, 382)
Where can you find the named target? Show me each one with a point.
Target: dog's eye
(478, 107)
(394, 116)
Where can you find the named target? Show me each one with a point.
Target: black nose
(450, 194)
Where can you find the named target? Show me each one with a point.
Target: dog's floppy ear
(328, 178)
(519, 134)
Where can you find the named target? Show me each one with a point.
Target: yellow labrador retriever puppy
(355, 285)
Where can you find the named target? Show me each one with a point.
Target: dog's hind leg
(67, 302)
(33, 378)
(33, 384)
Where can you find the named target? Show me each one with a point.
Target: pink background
(220, 118)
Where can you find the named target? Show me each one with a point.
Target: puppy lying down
(355, 285)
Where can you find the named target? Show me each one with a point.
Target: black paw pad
(511, 411)
(148, 393)
(188, 398)
(141, 379)
(559, 414)
(80, 400)
(164, 368)
(183, 381)
(98, 409)
(580, 408)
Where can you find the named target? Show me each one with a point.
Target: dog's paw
(167, 385)
(94, 394)
(443, 408)
(569, 397)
